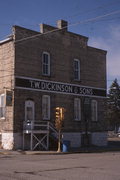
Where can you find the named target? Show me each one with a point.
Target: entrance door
(29, 111)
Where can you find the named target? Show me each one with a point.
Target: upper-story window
(2, 106)
(76, 69)
(46, 64)
(94, 110)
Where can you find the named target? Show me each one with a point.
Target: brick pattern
(6, 65)
(24, 58)
(63, 48)
(7, 82)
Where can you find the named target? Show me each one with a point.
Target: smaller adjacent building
(40, 71)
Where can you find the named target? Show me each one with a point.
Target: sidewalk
(113, 145)
(80, 150)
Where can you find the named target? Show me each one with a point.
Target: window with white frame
(94, 110)
(46, 63)
(77, 109)
(2, 106)
(46, 107)
(76, 69)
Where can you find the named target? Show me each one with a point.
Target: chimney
(45, 28)
(61, 24)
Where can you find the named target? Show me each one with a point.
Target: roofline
(6, 40)
(97, 49)
(21, 27)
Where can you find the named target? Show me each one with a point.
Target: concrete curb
(86, 150)
(10, 152)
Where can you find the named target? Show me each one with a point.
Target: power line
(111, 19)
(88, 11)
(80, 22)
(94, 9)
(74, 24)
(70, 16)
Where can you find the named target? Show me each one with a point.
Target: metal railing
(39, 125)
(34, 128)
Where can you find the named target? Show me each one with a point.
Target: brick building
(40, 71)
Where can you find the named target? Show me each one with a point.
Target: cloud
(111, 43)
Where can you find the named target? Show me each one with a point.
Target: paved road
(89, 166)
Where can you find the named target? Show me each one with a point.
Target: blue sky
(103, 33)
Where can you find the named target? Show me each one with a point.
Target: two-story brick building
(40, 71)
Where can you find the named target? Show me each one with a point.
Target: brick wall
(63, 48)
(24, 58)
(7, 81)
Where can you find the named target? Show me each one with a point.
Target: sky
(97, 19)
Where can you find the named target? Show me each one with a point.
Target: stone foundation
(18, 141)
(10, 141)
(74, 138)
(7, 141)
(99, 138)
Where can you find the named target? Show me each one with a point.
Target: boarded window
(46, 107)
(29, 110)
(77, 109)
(2, 106)
(94, 110)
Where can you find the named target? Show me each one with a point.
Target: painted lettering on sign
(50, 86)
(41, 85)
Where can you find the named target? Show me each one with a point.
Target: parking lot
(79, 166)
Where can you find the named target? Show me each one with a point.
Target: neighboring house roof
(7, 39)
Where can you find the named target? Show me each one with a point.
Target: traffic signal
(62, 110)
(59, 117)
(59, 114)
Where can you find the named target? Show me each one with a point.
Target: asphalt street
(79, 166)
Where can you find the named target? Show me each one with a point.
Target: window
(29, 110)
(46, 107)
(77, 109)
(94, 110)
(2, 106)
(76, 69)
(46, 64)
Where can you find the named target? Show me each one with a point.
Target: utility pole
(87, 117)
